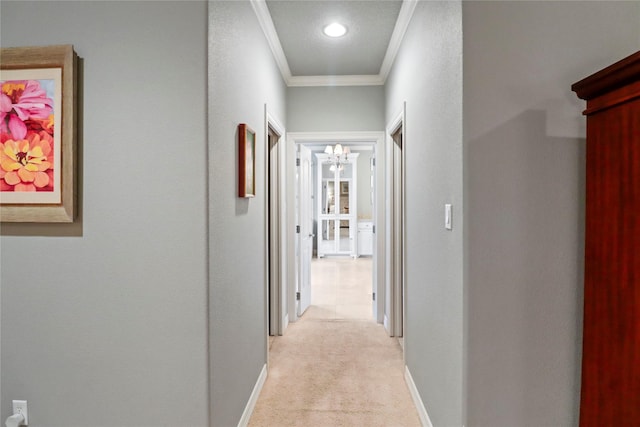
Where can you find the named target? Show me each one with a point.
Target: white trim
(402, 23)
(279, 306)
(351, 80)
(396, 305)
(321, 137)
(267, 228)
(398, 120)
(404, 229)
(275, 123)
(417, 400)
(264, 18)
(253, 399)
(386, 325)
(369, 138)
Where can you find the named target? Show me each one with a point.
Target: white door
(306, 230)
(374, 245)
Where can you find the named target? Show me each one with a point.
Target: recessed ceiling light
(335, 30)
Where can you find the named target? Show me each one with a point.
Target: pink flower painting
(26, 136)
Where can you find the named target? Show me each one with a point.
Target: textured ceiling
(309, 52)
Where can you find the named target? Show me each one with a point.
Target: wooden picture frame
(246, 161)
(38, 181)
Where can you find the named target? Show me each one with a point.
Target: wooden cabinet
(610, 392)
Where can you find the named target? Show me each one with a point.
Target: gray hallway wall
(243, 76)
(104, 321)
(524, 167)
(332, 109)
(427, 75)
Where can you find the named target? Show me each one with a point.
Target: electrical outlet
(20, 407)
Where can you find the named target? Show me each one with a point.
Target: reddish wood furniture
(610, 393)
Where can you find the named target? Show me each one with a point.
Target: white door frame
(377, 139)
(275, 306)
(397, 317)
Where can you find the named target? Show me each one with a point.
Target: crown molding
(350, 137)
(402, 23)
(264, 18)
(363, 80)
(266, 23)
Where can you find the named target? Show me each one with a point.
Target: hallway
(336, 366)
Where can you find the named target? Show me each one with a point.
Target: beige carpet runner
(330, 372)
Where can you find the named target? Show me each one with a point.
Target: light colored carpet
(332, 370)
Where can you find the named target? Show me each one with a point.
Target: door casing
(395, 313)
(377, 139)
(276, 247)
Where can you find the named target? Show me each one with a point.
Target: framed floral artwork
(38, 134)
(246, 161)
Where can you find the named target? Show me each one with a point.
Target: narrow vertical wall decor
(246, 161)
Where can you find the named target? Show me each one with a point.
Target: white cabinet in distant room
(337, 205)
(365, 238)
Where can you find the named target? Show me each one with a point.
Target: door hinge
(374, 229)
(297, 162)
(297, 229)
(374, 296)
(297, 296)
(374, 161)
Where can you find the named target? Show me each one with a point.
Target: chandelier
(337, 156)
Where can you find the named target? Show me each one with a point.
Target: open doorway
(342, 266)
(289, 289)
(276, 236)
(395, 250)
(344, 206)
(273, 231)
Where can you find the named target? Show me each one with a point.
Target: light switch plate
(448, 217)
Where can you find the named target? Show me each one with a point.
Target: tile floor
(341, 288)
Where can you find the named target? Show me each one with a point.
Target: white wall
(427, 75)
(524, 166)
(104, 321)
(331, 109)
(243, 76)
(365, 207)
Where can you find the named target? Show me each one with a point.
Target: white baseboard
(417, 400)
(253, 399)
